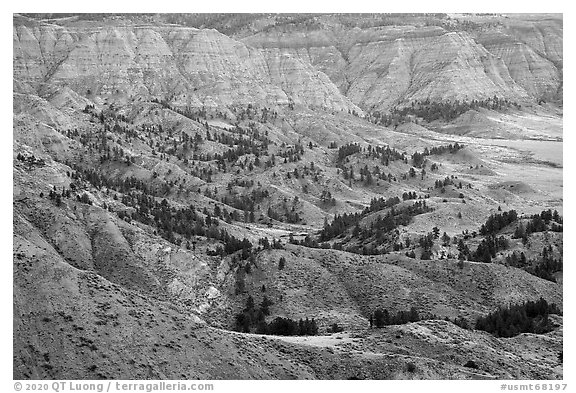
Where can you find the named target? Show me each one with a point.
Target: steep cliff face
(186, 66)
(379, 67)
(532, 55)
(542, 33)
(330, 64)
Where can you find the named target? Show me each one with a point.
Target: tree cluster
(31, 160)
(528, 317)
(342, 222)
(381, 318)
(497, 221)
(253, 319)
(437, 110)
(546, 220)
(488, 248)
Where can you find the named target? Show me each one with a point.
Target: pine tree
(265, 306)
(262, 327)
(249, 303)
(445, 239)
(379, 319)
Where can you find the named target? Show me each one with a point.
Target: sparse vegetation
(253, 190)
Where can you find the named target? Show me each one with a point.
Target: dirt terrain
(167, 169)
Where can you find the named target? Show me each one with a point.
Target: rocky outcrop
(537, 75)
(542, 33)
(383, 66)
(330, 66)
(185, 66)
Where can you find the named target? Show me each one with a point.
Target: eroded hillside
(184, 187)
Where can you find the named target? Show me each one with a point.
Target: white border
(548, 6)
